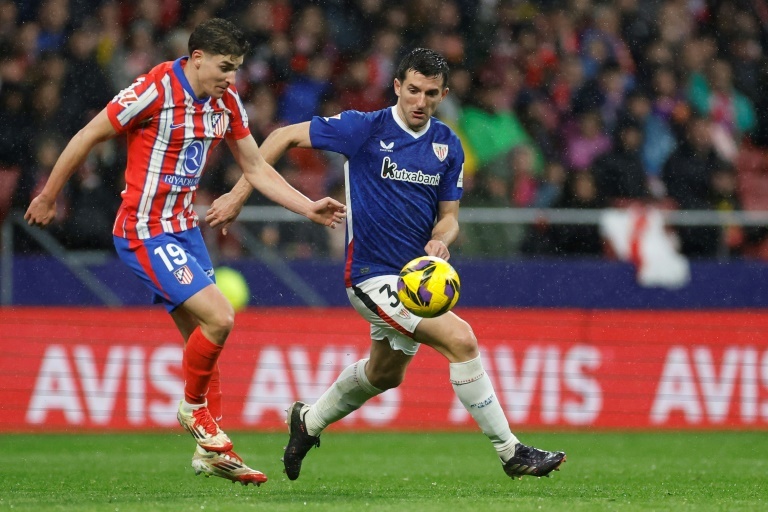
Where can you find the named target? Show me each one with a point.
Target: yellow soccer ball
(428, 286)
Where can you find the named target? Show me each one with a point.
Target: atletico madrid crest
(219, 122)
(183, 274)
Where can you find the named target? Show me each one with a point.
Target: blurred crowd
(559, 104)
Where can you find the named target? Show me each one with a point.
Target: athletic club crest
(441, 150)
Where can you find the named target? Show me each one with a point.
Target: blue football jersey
(394, 179)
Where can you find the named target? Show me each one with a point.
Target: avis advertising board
(100, 369)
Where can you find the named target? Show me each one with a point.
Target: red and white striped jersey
(171, 134)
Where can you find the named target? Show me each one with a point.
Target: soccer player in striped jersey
(403, 179)
(173, 117)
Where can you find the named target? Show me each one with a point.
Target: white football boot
(227, 465)
(203, 427)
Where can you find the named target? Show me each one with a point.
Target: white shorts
(376, 300)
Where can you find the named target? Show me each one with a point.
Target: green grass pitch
(714, 471)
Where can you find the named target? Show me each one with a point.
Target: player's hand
(41, 211)
(437, 248)
(223, 212)
(328, 212)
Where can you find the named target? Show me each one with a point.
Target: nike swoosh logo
(174, 126)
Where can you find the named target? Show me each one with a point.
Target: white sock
(350, 391)
(188, 408)
(475, 390)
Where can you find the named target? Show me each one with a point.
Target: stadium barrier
(92, 278)
(94, 369)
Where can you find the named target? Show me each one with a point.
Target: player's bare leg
(454, 339)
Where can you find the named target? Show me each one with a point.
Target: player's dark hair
(218, 37)
(425, 61)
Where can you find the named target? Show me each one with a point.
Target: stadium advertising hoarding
(98, 369)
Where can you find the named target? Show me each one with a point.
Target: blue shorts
(175, 266)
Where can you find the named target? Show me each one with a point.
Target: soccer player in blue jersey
(403, 180)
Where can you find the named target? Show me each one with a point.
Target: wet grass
(389, 472)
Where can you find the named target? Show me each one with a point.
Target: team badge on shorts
(183, 274)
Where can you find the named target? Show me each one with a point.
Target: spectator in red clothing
(523, 187)
(536, 57)
(568, 80)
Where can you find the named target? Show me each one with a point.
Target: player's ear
(197, 57)
(397, 85)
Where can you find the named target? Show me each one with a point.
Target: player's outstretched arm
(446, 230)
(259, 174)
(227, 207)
(42, 209)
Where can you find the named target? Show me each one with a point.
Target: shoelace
(204, 418)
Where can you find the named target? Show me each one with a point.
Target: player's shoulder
(443, 131)
(352, 120)
(232, 97)
(160, 70)
(360, 116)
(440, 127)
(154, 77)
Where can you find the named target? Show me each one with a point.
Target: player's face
(418, 97)
(215, 73)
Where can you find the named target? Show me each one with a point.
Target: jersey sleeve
(343, 133)
(238, 122)
(452, 187)
(135, 104)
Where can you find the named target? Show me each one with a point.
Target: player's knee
(463, 343)
(220, 323)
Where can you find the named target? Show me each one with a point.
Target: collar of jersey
(404, 126)
(178, 69)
